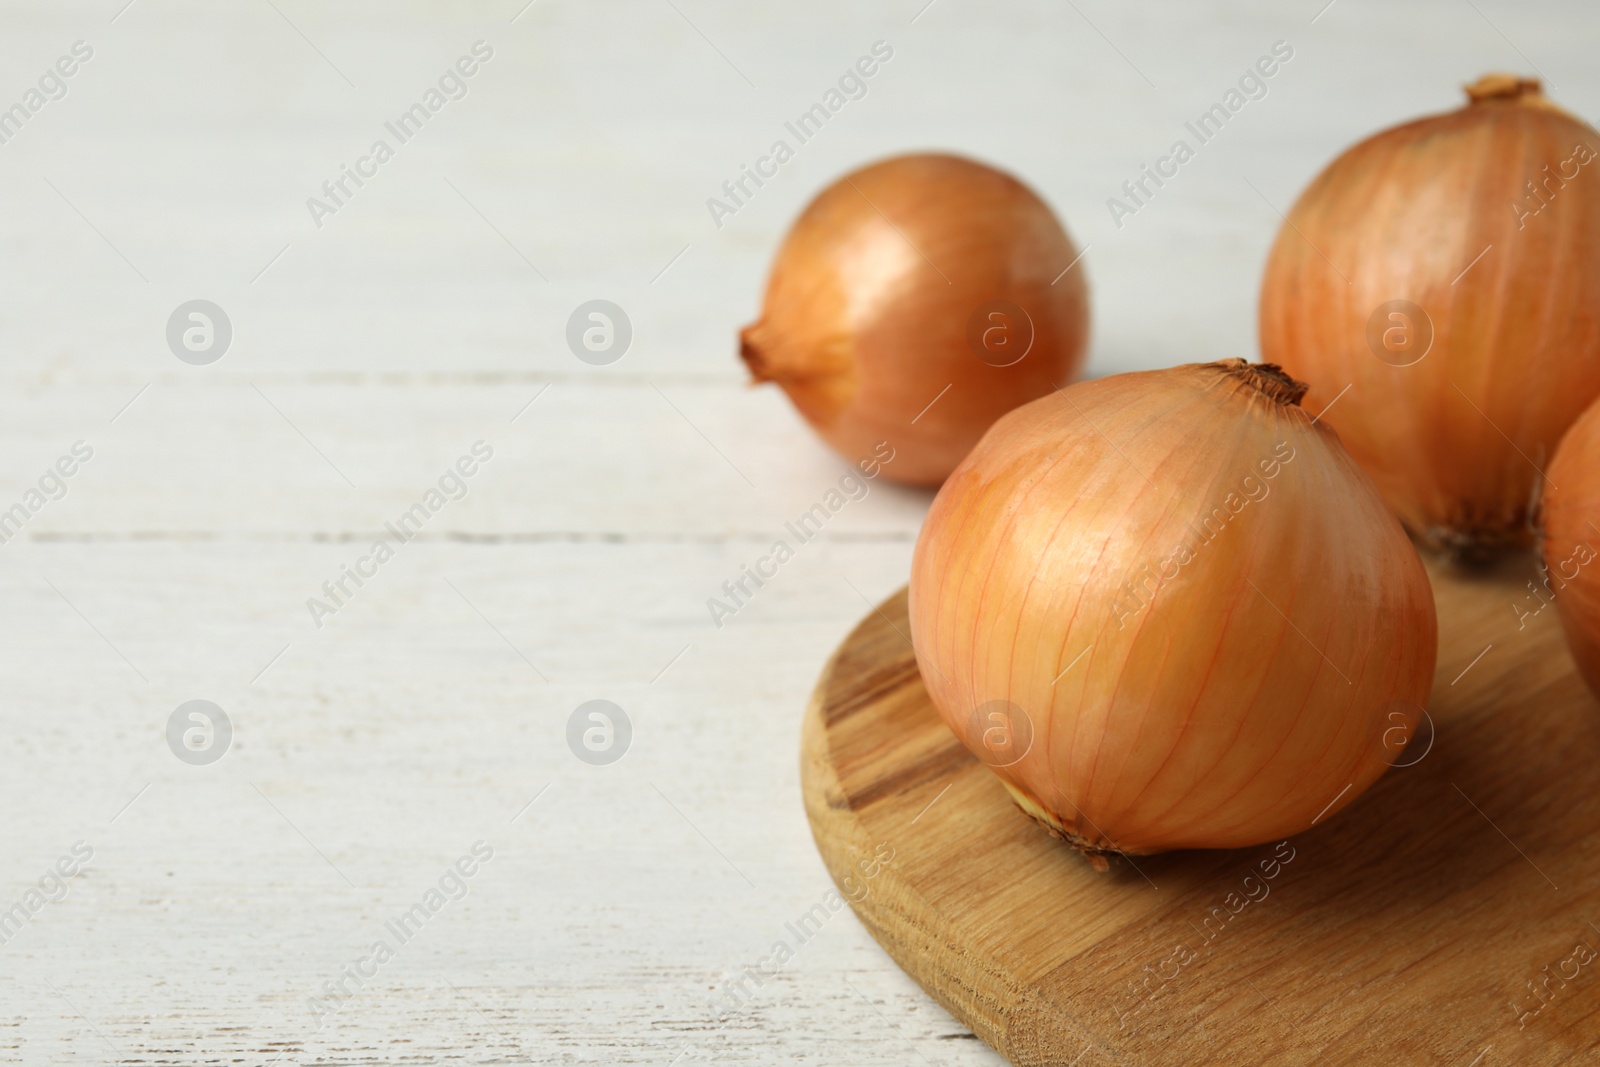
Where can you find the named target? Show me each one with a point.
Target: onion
(916, 301)
(1171, 612)
(1572, 575)
(1468, 241)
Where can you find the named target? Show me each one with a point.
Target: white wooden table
(368, 353)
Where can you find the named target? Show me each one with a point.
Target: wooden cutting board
(1450, 916)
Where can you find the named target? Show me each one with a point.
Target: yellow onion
(1447, 272)
(1571, 519)
(1170, 611)
(916, 301)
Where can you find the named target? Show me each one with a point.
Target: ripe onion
(1571, 516)
(1171, 612)
(916, 301)
(1448, 272)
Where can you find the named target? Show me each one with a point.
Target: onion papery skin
(1453, 441)
(869, 305)
(1263, 683)
(1571, 542)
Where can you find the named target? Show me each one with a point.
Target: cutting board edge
(1001, 1010)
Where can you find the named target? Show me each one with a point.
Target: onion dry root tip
(1472, 549)
(1092, 851)
(1095, 854)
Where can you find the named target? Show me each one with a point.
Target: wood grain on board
(1450, 916)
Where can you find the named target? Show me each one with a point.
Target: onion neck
(755, 353)
(1509, 89)
(817, 370)
(1268, 379)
